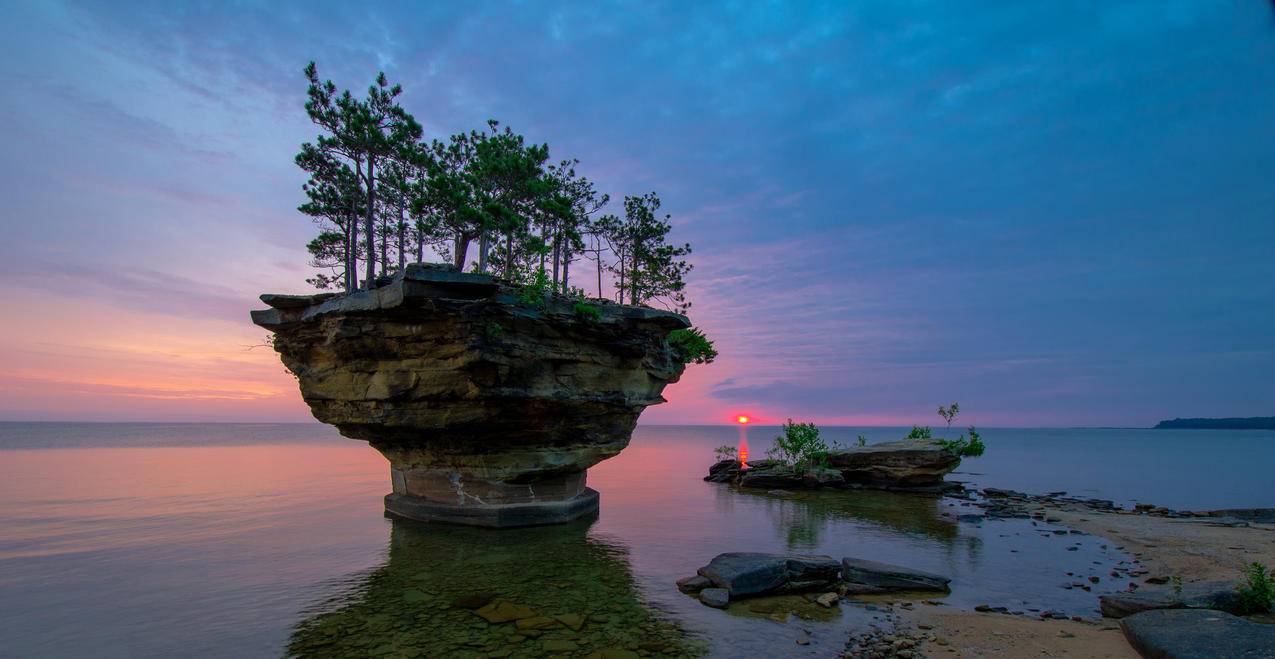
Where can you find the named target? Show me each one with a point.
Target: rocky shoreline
(1182, 574)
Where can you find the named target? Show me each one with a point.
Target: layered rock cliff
(489, 408)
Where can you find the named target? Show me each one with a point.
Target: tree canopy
(487, 200)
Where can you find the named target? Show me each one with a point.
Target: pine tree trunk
(369, 226)
(484, 245)
(461, 250)
(566, 267)
(402, 239)
(557, 248)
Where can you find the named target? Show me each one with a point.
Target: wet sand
(1193, 549)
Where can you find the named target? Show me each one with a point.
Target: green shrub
(800, 446)
(494, 330)
(966, 448)
(1257, 593)
(725, 453)
(863, 441)
(589, 312)
(920, 433)
(536, 291)
(691, 346)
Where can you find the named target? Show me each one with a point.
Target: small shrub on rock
(800, 446)
(919, 432)
(725, 453)
(691, 346)
(966, 448)
(1257, 593)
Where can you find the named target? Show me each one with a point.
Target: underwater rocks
(872, 577)
(489, 408)
(1197, 634)
(910, 464)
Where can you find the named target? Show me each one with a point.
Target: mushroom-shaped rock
(489, 409)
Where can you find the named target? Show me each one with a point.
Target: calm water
(262, 540)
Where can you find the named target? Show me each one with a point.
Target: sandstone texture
(489, 407)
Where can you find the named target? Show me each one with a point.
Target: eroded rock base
(494, 516)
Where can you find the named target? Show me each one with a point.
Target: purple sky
(1054, 213)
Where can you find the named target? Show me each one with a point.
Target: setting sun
(742, 419)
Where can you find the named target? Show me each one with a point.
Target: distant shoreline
(1232, 423)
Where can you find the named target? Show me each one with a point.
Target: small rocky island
(490, 409)
(917, 465)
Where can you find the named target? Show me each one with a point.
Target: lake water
(262, 540)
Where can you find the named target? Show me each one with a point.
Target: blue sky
(1056, 213)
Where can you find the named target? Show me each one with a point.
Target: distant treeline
(1248, 423)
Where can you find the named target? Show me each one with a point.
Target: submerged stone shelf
(490, 410)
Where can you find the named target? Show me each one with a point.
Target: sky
(1055, 213)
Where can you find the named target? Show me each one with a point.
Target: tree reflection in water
(408, 607)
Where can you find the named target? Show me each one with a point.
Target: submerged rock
(1197, 634)
(870, 576)
(489, 409)
(745, 574)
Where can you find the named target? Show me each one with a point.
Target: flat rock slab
(744, 574)
(883, 577)
(902, 463)
(1215, 595)
(1197, 634)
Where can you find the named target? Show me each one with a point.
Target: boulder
(693, 584)
(723, 471)
(718, 598)
(1197, 634)
(1215, 595)
(489, 409)
(906, 463)
(744, 574)
(872, 577)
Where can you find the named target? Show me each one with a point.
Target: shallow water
(260, 540)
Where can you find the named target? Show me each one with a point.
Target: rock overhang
(476, 397)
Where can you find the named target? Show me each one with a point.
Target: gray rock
(890, 577)
(1197, 634)
(717, 598)
(723, 471)
(693, 584)
(909, 462)
(1216, 595)
(745, 574)
(771, 478)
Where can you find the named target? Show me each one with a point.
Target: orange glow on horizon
(742, 419)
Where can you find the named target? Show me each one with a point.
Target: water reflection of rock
(409, 606)
(803, 516)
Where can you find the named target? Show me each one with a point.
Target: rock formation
(915, 464)
(490, 408)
